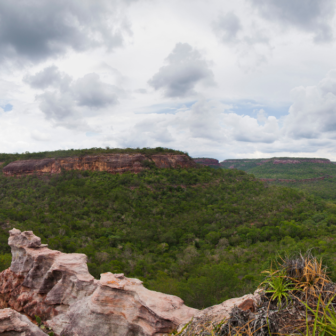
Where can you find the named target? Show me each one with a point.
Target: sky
(214, 78)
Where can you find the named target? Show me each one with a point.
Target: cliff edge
(58, 288)
(112, 163)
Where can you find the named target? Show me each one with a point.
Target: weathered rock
(123, 306)
(58, 288)
(112, 163)
(207, 162)
(41, 281)
(14, 324)
(206, 319)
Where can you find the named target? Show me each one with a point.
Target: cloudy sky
(215, 78)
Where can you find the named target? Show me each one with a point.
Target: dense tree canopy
(200, 233)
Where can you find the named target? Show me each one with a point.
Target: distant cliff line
(296, 180)
(279, 161)
(112, 163)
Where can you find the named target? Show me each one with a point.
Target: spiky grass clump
(297, 298)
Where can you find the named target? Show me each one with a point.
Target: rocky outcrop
(207, 162)
(58, 288)
(205, 320)
(112, 163)
(14, 324)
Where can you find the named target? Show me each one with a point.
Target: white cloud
(71, 85)
(71, 101)
(184, 70)
(313, 112)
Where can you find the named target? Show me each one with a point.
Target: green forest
(325, 189)
(302, 170)
(203, 234)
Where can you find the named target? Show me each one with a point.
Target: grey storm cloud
(49, 76)
(313, 16)
(90, 91)
(227, 27)
(67, 105)
(36, 30)
(184, 69)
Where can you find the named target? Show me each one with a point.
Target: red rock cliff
(207, 162)
(112, 163)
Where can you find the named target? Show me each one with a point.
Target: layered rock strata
(14, 324)
(58, 288)
(207, 162)
(112, 163)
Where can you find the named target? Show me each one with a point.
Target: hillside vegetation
(325, 189)
(304, 170)
(202, 234)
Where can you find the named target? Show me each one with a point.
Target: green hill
(266, 169)
(203, 234)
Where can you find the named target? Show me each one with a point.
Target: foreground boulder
(14, 324)
(58, 288)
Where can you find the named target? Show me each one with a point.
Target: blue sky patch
(7, 107)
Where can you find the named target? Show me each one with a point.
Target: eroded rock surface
(112, 163)
(58, 288)
(41, 281)
(13, 323)
(206, 319)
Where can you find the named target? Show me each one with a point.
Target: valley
(200, 233)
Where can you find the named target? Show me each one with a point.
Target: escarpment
(58, 288)
(207, 162)
(112, 163)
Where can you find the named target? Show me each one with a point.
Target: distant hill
(313, 175)
(213, 163)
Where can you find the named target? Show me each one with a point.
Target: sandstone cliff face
(58, 288)
(112, 163)
(207, 162)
